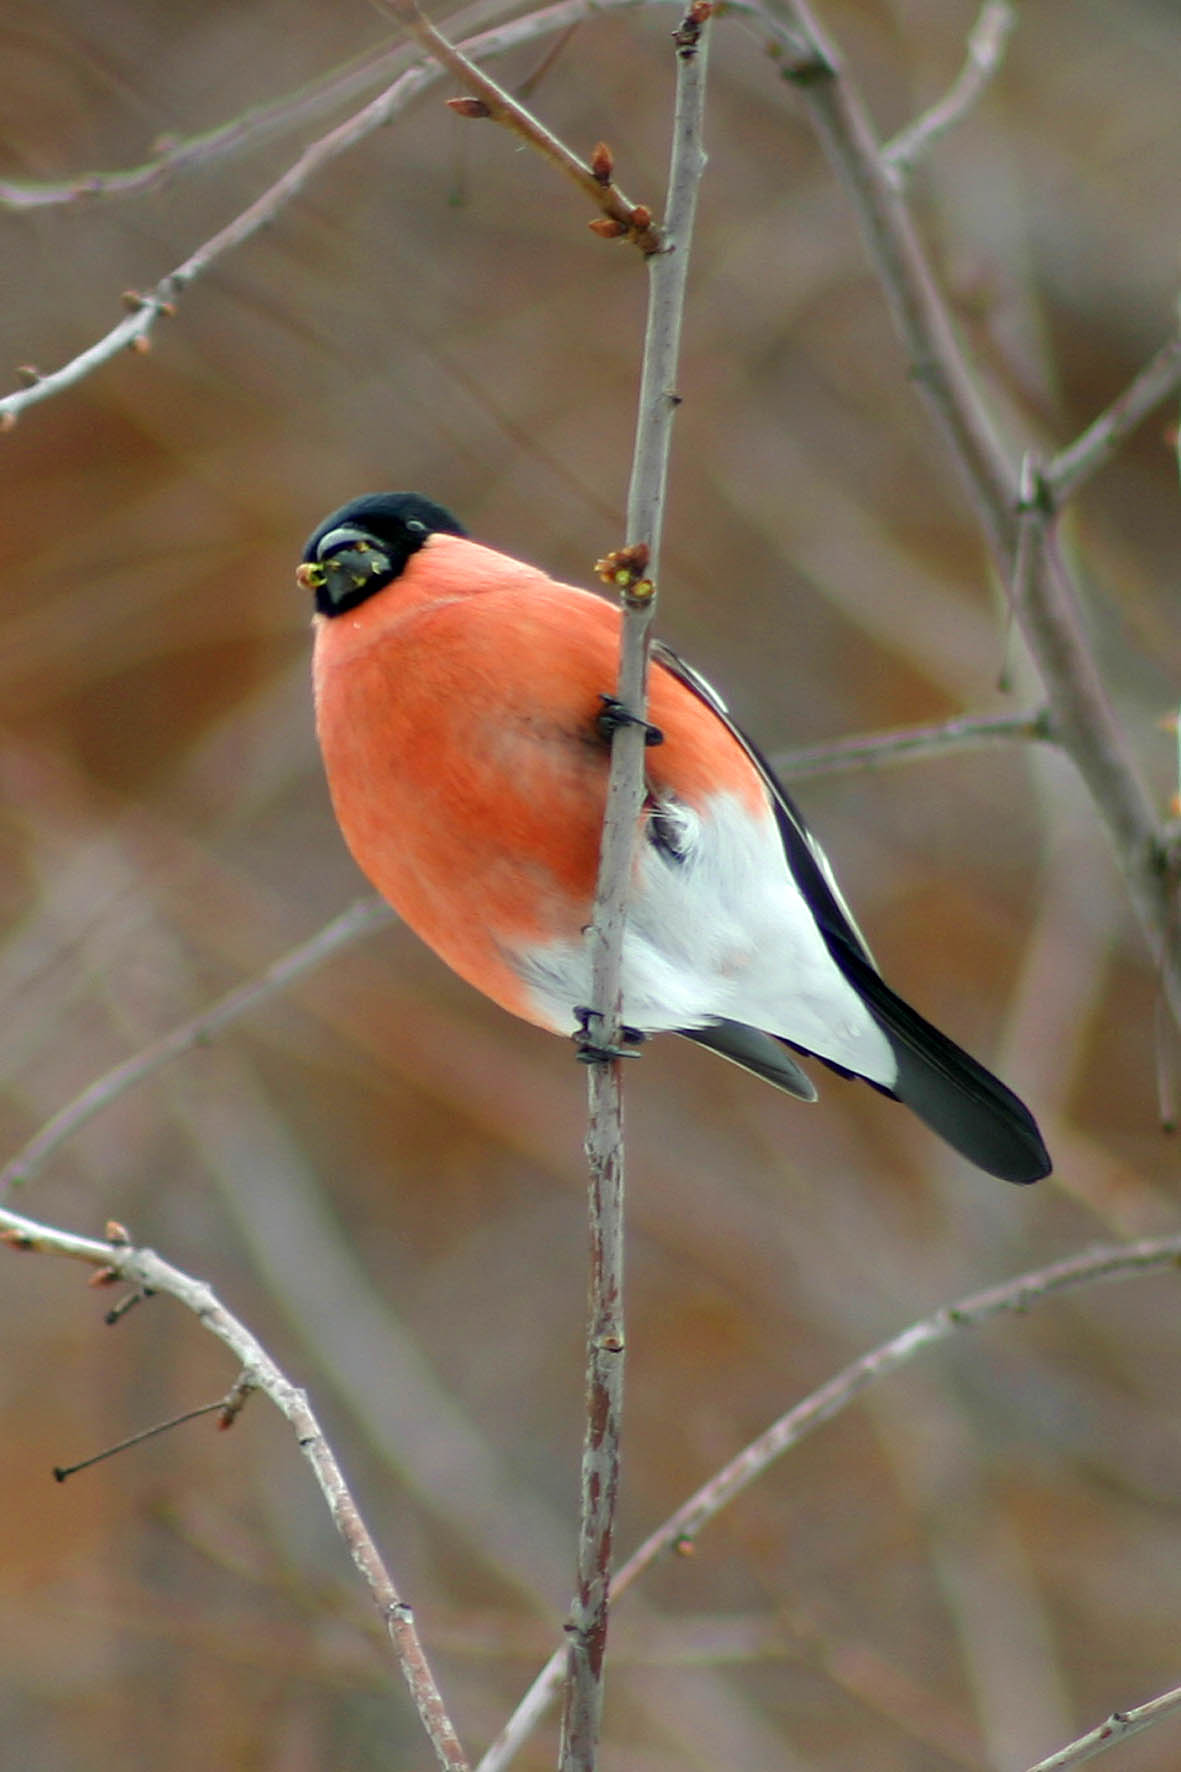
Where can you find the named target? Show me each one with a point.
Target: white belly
(720, 930)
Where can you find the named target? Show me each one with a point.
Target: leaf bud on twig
(602, 163)
(468, 107)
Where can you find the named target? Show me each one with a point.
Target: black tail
(957, 1098)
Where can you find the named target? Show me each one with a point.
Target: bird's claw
(614, 715)
(589, 1051)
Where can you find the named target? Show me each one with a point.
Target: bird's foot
(615, 715)
(590, 1051)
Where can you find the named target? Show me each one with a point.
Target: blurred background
(382, 1173)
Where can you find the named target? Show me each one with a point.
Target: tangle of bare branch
(116, 1260)
(146, 307)
(1017, 509)
(1017, 524)
(1110, 1262)
(175, 158)
(361, 919)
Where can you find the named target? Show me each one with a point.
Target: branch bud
(625, 568)
(602, 163)
(468, 107)
(607, 228)
(688, 32)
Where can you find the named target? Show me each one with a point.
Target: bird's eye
(416, 528)
(360, 547)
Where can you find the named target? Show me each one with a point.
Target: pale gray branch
(987, 42)
(1012, 1298)
(935, 360)
(1119, 1726)
(146, 1271)
(1019, 536)
(135, 330)
(1073, 466)
(174, 158)
(906, 744)
(259, 124)
(488, 100)
(1084, 724)
(359, 920)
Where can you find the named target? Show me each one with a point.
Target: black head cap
(366, 544)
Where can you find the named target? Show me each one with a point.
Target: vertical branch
(1043, 601)
(668, 276)
(634, 570)
(935, 361)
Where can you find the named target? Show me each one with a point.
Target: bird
(464, 718)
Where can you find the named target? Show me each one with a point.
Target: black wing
(957, 1097)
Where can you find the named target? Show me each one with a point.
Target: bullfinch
(462, 711)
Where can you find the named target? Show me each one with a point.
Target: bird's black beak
(349, 563)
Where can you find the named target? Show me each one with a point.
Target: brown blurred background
(381, 1172)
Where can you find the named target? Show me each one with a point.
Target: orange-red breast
(460, 706)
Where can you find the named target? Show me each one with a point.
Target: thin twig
(1049, 615)
(146, 1271)
(1073, 466)
(905, 744)
(63, 1471)
(1118, 1727)
(630, 219)
(261, 123)
(135, 330)
(935, 361)
(987, 42)
(1121, 1261)
(668, 274)
(359, 920)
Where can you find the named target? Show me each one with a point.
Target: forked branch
(146, 1272)
(134, 331)
(1112, 1262)
(595, 178)
(1015, 519)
